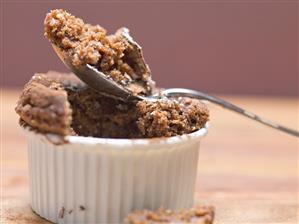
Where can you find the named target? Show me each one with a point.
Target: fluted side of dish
(92, 180)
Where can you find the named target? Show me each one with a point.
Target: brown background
(231, 47)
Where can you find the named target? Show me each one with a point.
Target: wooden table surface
(247, 171)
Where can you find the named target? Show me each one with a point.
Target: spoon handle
(227, 105)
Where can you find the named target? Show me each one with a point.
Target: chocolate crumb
(71, 211)
(82, 208)
(61, 213)
(197, 215)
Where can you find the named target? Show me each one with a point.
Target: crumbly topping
(169, 117)
(197, 215)
(117, 55)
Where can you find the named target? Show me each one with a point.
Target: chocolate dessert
(61, 104)
(118, 56)
(197, 215)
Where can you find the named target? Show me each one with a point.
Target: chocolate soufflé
(61, 104)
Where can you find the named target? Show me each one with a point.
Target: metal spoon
(101, 83)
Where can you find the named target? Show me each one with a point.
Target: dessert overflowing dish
(61, 104)
(94, 158)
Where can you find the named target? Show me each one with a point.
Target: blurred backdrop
(229, 47)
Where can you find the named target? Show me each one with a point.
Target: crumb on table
(196, 215)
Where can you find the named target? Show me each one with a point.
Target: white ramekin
(100, 180)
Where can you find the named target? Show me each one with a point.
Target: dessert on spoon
(114, 65)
